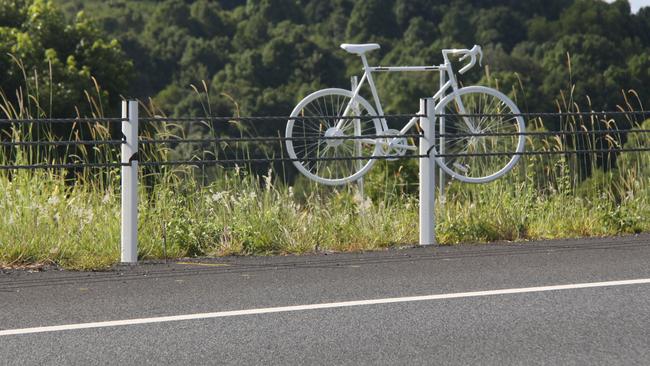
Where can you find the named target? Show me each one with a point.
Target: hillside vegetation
(267, 54)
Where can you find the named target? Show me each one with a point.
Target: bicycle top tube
(403, 68)
(446, 66)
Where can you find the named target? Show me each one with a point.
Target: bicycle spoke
(314, 137)
(482, 107)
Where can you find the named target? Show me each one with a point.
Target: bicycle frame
(445, 69)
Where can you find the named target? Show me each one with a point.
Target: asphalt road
(604, 324)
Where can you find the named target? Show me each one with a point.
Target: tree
(371, 19)
(584, 66)
(267, 54)
(54, 61)
(499, 26)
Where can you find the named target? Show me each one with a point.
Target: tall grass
(71, 217)
(561, 195)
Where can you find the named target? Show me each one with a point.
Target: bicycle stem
(373, 88)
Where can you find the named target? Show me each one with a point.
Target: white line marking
(281, 309)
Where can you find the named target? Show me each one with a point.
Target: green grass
(48, 220)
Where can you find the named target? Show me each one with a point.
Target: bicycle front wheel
(325, 139)
(482, 135)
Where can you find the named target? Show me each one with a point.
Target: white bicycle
(335, 135)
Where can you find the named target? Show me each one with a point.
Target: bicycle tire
(307, 138)
(479, 100)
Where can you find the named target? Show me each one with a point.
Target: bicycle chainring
(398, 149)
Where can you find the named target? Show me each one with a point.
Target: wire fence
(73, 161)
(142, 147)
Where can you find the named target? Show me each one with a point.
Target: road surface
(553, 302)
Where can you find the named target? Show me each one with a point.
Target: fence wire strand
(271, 139)
(274, 160)
(544, 133)
(546, 114)
(59, 120)
(62, 166)
(557, 152)
(63, 143)
(392, 116)
(274, 118)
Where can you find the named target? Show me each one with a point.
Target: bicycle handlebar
(476, 50)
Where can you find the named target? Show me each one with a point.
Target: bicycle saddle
(359, 49)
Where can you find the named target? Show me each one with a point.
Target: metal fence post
(129, 238)
(427, 174)
(441, 147)
(354, 82)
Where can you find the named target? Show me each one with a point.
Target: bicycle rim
(319, 156)
(486, 144)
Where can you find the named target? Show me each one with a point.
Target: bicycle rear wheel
(320, 116)
(482, 134)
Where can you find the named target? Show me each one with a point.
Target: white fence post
(441, 147)
(129, 238)
(427, 174)
(354, 82)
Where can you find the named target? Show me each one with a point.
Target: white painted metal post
(129, 239)
(427, 174)
(354, 82)
(441, 146)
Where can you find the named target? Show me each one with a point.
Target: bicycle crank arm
(388, 144)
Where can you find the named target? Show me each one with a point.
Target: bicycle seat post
(368, 72)
(364, 61)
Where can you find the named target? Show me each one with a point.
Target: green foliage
(268, 54)
(48, 221)
(369, 19)
(38, 46)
